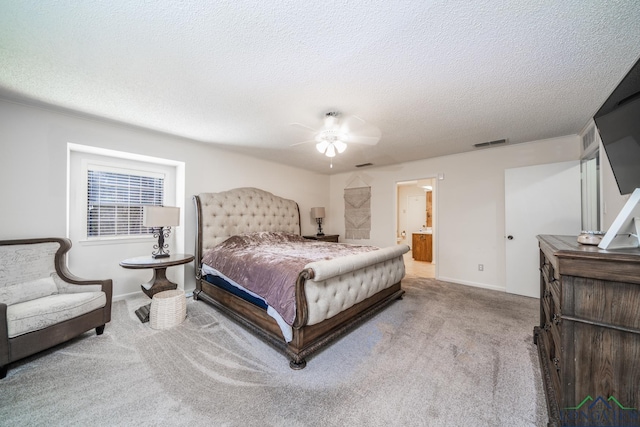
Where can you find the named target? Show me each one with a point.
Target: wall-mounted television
(618, 122)
(620, 134)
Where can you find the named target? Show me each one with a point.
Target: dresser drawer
(555, 377)
(556, 334)
(553, 357)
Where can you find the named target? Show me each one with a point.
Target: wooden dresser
(589, 334)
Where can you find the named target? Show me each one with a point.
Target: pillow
(27, 291)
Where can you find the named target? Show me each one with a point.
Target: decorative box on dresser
(589, 334)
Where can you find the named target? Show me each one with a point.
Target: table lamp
(318, 214)
(160, 219)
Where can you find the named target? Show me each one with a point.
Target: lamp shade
(317, 212)
(322, 146)
(331, 151)
(340, 146)
(160, 216)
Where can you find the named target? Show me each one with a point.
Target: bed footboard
(332, 286)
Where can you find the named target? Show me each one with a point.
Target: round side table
(159, 281)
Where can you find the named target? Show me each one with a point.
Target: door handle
(510, 237)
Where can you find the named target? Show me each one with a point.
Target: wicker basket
(168, 309)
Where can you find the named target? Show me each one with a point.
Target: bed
(330, 295)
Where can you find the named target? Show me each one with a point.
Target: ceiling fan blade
(305, 133)
(357, 127)
(303, 126)
(365, 140)
(303, 142)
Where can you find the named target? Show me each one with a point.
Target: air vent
(589, 138)
(589, 142)
(490, 143)
(364, 165)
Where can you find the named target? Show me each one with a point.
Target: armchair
(41, 303)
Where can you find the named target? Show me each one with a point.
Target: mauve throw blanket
(268, 264)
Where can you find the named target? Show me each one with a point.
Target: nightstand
(325, 238)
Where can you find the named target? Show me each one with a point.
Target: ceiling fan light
(322, 146)
(340, 146)
(331, 151)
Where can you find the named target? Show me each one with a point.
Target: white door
(542, 199)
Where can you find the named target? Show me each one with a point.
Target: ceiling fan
(333, 137)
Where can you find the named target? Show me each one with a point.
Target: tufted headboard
(238, 211)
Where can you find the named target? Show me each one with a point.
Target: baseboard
(125, 296)
(187, 294)
(474, 284)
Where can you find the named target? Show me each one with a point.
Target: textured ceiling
(435, 76)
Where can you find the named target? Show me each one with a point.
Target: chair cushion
(25, 291)
(42, 312)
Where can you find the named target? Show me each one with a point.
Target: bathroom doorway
(416, 225)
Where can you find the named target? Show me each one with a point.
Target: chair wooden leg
(3, 371)
(99, 330)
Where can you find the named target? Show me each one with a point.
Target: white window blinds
(115, 200)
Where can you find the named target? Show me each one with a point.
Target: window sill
(116, 240)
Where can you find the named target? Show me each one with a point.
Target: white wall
(470, 199)
(33, 170)
(470, 204)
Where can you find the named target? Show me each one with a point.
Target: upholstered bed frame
(332, 296)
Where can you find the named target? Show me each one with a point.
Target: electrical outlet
(480, 267)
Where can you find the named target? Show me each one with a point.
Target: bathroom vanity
(421, 246)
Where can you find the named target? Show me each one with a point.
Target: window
(106, 192)
(115, 199)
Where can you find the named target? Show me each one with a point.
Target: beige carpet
(445, 355)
